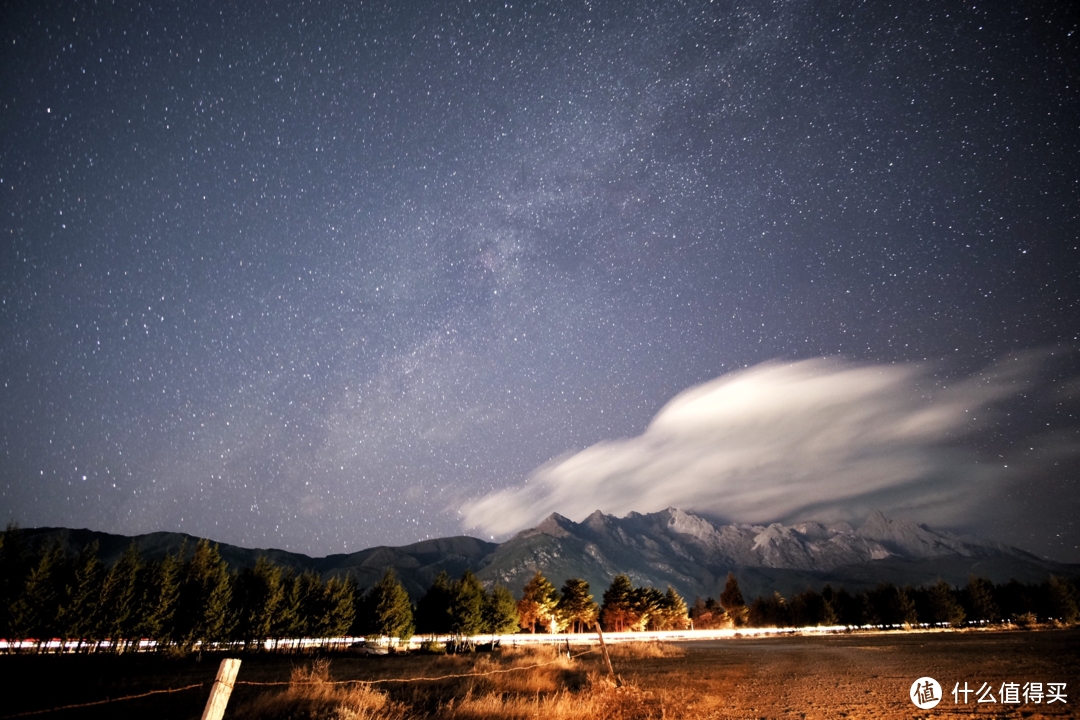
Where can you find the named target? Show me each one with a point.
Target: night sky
(326, 275)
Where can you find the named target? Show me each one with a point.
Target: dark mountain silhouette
(670, 547)
(416, 565)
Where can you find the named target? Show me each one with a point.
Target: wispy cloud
(785, 441)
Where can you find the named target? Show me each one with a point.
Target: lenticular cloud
(780, 442)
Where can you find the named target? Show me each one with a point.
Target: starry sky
(327, 275)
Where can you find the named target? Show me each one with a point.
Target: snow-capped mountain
(694, 555)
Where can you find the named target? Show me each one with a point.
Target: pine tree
(287, 618)
(467, 606)
(205, 596)
(309, 589)
(120, 598)
(980, 595)
(802, 610)
(537, 604)
(500, 611)
(707, 614)
(906, 607)
(848, 609)
(433, 610)
(674, 612)
(392, 609)
(886, 606)
(161, 597)
(944, 606)
(12, 575)
(77, 613)
(731, 598)
(338, 609)
(1064, 600)
(830, 616)
(364, 622)
(576, 607)
(259, 592)
(646, 603)
(616, 613)
(34, 612)
(768, 611)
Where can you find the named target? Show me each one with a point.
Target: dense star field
(328, 275)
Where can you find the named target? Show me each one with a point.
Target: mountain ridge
(669, 547)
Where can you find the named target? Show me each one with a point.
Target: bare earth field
(837, 676)
(864, 676)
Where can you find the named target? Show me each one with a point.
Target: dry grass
(516, 683)
(598, 700)
(313, 693)
(641, 650)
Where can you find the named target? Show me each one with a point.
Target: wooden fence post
(603, 649)
(219, 693)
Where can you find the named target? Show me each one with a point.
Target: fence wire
(312, 682)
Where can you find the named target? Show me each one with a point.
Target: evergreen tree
(338, 611)
(205, 596)
(467, 606)
(576, 607)
(673, 613)
(769, 611)
(885, 606)
(731, 599)
(287, 618)
(118, 608)
(1063, 600)
(888, 606)
(537, 604)
(307, 597)
(830, 607)
(707, 614)
(392, 609)
(848, 609)
(161, 597)
(906, 607)
(981, 605)
(259, 592)
(1018, 600)
(944, 606)
(804, 608)
(616, 613)
(433, 610)
(500, 611)
(77, 613)
(12, 575)
(364, 621)
(647, 604)
(34, 612)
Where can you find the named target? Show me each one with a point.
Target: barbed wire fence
(279, 683)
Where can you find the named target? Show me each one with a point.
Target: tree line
(191, 598)
(185, 599)
(980, 602)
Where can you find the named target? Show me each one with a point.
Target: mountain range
(671, 547)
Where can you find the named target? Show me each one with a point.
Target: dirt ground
(837, 676)
(864, 676)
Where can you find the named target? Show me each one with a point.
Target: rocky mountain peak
(908, 538)
(554, 525)
(694, 554)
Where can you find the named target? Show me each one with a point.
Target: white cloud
(779, 442)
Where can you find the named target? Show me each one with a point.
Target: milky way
(318, 275)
